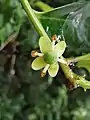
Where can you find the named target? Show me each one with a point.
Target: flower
(49, 57)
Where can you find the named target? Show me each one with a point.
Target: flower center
(50, 57)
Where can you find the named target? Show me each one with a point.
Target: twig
(11, 38)
(11, 69)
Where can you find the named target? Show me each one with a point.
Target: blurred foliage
(25, 95)
(10, 18)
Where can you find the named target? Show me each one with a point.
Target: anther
(35, 53)
(54, 37)
(42, 74)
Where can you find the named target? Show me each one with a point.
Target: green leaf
(38, 63)
(77, 32)
(84, 64)
(53, 20)
(53, 70)
(45, 44)
(60, 48)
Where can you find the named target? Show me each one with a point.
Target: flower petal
(45, 44)
(53, 69)
(38, 63)
(60, 48)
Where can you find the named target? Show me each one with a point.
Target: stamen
(43, 73)
(53, 45)
(62, 61)
(35, 53)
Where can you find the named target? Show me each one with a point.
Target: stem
(75, 79)
(32, 17)
(68, 72)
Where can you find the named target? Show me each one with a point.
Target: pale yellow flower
(49, 57)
